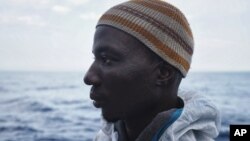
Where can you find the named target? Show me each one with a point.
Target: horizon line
(192, 71)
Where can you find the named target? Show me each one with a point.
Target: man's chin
(110, 119)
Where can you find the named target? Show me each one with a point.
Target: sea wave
(48, 88)
(39, 107)
(24, 129)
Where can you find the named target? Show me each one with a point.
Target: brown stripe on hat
(157, 24)
(165, 10)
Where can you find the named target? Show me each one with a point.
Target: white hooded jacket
(199, 120)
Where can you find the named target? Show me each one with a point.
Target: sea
(55, 106)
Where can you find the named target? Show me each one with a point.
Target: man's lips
(98, 101)
(97, 104)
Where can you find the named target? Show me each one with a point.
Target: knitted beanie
(157, 24)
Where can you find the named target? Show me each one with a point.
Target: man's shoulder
(200, 118)
(197, 101)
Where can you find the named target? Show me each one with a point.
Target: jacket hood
(199, 120)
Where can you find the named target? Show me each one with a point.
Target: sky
(57, 35)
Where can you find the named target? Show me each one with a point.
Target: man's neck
(134, 126)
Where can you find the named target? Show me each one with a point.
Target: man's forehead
(111, 34)
(112, 39)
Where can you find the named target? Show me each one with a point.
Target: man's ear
(164, 73)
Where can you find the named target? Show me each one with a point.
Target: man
(143, 49)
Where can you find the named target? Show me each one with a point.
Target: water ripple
(18, 128)
(68, 102)
(13, 100)
(52, 139)
(46, 88)
(39, 107)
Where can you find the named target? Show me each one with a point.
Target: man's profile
(143, 49)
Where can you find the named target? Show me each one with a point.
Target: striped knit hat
(159, 25)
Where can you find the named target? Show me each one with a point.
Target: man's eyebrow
(101, 49)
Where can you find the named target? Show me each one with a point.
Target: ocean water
(55, 106)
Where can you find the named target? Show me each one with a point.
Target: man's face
(121, 75)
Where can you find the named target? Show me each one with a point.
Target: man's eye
(106, 60)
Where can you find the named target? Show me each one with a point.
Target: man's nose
(91, 77)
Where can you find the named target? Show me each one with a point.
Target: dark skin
(128, 82)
